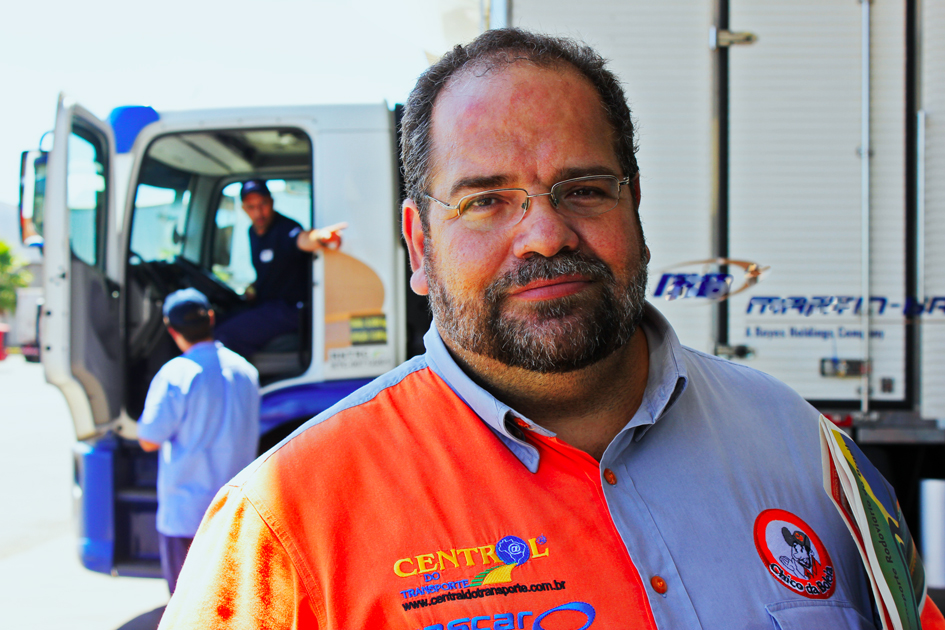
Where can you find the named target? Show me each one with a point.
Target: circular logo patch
(794, 555)
(265, 255)
(512, 550)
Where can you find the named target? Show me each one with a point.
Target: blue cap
(184, 307)
(255, 186)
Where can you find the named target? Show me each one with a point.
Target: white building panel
(795, 103)
(888, 195)
(933, 102)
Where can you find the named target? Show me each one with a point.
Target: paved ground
(42, 584)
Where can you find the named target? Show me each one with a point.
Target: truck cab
(131, 208)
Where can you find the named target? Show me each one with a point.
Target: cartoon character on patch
(802, 563)
(511, 550)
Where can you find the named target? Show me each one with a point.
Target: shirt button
(610, 477)
(659, 584)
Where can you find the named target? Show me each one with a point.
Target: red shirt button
(659, 584)
(610, 477)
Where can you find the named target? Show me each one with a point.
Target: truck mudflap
(93, 495)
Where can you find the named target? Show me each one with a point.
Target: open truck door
(80, 321)
(149, 203)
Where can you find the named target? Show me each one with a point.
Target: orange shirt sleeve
(931, 618)
(237, 575)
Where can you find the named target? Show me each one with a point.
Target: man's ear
(413, 234)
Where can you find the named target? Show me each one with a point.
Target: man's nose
(543, 231)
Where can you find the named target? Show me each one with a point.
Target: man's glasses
(504, 208)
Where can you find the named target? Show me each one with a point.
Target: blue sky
(185, 54)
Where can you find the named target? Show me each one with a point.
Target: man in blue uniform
(202, 412)
(281, 252)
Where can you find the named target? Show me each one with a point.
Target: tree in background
(12, 277)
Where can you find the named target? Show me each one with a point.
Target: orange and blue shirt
(421, 502)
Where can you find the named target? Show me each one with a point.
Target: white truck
(130, 209)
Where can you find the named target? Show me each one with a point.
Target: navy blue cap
(255, 186)
(184, 307)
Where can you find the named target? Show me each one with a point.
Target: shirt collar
(200, 346)
(497, 415)
(667, 377)
(666, 381)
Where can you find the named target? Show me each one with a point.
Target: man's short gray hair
(490, 50)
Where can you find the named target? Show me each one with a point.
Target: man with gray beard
(556, 460)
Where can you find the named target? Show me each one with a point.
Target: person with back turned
(202, 413)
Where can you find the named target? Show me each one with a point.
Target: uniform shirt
(281, 267)
(421, 502)
(203, 408)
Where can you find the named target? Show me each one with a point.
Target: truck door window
(231, 258)
(160, 216)
(85, 195)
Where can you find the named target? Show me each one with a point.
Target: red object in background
(840, 420)
(4, 329)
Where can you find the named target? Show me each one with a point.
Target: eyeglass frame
(528, 197)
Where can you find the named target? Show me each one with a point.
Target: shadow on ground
(146, 621)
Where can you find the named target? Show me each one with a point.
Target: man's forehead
(518, 109)
(254, 198)
(498, 91)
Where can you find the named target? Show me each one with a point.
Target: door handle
(722, 38)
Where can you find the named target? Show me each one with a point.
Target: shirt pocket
(802, 615)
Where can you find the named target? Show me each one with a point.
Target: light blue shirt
(715, 451)
(203, 408)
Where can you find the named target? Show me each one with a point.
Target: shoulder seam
(745, 370)
(712, 357)
(410, 367)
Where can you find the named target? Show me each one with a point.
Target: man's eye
(586, 192)
(483, 203)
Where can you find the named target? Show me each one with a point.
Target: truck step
(138, 568)
(136, 495)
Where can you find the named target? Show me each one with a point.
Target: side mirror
(32, 196)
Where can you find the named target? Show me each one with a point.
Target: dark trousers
(246, 332)
(173, 552)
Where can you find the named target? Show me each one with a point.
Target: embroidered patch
(794, 554)
(511, 550)
(461, 573)
(265, 255)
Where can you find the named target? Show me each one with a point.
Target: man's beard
(554, 336)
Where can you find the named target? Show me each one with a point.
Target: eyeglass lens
(574, 197)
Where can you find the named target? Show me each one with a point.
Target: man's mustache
(538, 267)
